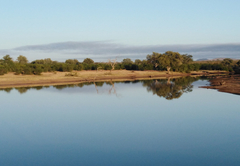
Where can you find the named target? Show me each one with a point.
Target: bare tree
(112, 88)
(96, 87)
(99, 68)
(112, 63)
(168, 69)
(110, 91)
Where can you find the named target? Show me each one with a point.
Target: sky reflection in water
(136, 123)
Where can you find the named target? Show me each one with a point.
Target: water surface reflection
(120, 124)
(166, 88)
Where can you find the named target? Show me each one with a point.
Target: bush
(183, 68)
(37, 71)
(61, 67)
(88, 61)
(3, 71)
(78, 67)
(72, 74)
(69, 68)
(27, 70)
(18, 71)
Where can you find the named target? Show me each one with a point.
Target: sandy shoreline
(59, 78)
(228, 84)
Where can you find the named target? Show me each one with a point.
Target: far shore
(59, 78)
(227, 83)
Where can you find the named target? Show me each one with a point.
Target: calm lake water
(158, 122)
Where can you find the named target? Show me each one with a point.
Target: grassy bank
(58, 78)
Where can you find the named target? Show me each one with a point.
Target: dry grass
(52, 78)
(72, 74)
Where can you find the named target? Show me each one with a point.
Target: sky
(118, 24)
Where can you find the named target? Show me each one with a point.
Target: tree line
(168, 61)
(226, 64)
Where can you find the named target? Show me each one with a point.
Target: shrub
(27, 70)
(72, 74)
(88, 61)
(3, 71)
(37, 71)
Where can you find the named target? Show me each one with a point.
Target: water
(157, 122)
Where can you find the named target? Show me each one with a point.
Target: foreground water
(157, 122)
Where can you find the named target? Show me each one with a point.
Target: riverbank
(58, 78)
(227, 83)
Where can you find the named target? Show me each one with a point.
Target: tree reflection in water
(167, 88)
(22, 89)
(170, 89)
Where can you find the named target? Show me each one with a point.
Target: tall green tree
(127, 61)
(154, 59)
(88, 61)
(187, 58)
(22, 59)
(168, 60)
(138, 62)
(71, 61)
(7, 59)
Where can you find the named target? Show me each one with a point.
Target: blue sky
(126, 22)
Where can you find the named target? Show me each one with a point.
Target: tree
(187, 58)
(88, 61)
(22, 89)
(22, 59)
(37, 70)
(154, 59)
(169, 60)
(38, 61)
(7, 59)
(170, 89)
(3, 70)
(238, 63)
(47, 61)
(236, 68)
(112, 63)
(127, 63)
(172, 60)
(8, 63)
(227, 62)
(138, 62)
(71, 61)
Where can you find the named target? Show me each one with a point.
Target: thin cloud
(105, 49)
(109, 47)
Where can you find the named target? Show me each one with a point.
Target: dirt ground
(227, 83)
(58, 78)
